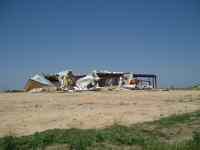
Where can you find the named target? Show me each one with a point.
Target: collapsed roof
(38, 81)
(90, 81)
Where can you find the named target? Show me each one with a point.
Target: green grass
(196, 87)
(114, 137)
(179, 119)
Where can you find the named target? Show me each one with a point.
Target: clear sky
(142, 36)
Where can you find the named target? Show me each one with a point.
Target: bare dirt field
(26, 113)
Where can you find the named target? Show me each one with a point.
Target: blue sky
(142, 36)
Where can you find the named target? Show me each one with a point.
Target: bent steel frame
(153, 78)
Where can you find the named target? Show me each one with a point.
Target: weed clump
(8, 143)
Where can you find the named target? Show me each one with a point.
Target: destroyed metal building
(66, 80)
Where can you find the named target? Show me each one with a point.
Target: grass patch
(114, 137)
(8, 143)
(195, 87)
(178, 119)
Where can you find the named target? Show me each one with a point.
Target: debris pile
(89, 82)
(39, 83)
(67, 81)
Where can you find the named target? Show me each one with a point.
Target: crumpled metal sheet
(41, 79)
(87, 82)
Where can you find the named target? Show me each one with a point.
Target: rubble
(39, 82)
(67, 81)
(89, 82)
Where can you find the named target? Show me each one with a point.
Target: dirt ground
(26, 113)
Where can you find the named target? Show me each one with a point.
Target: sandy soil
(26, 113)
